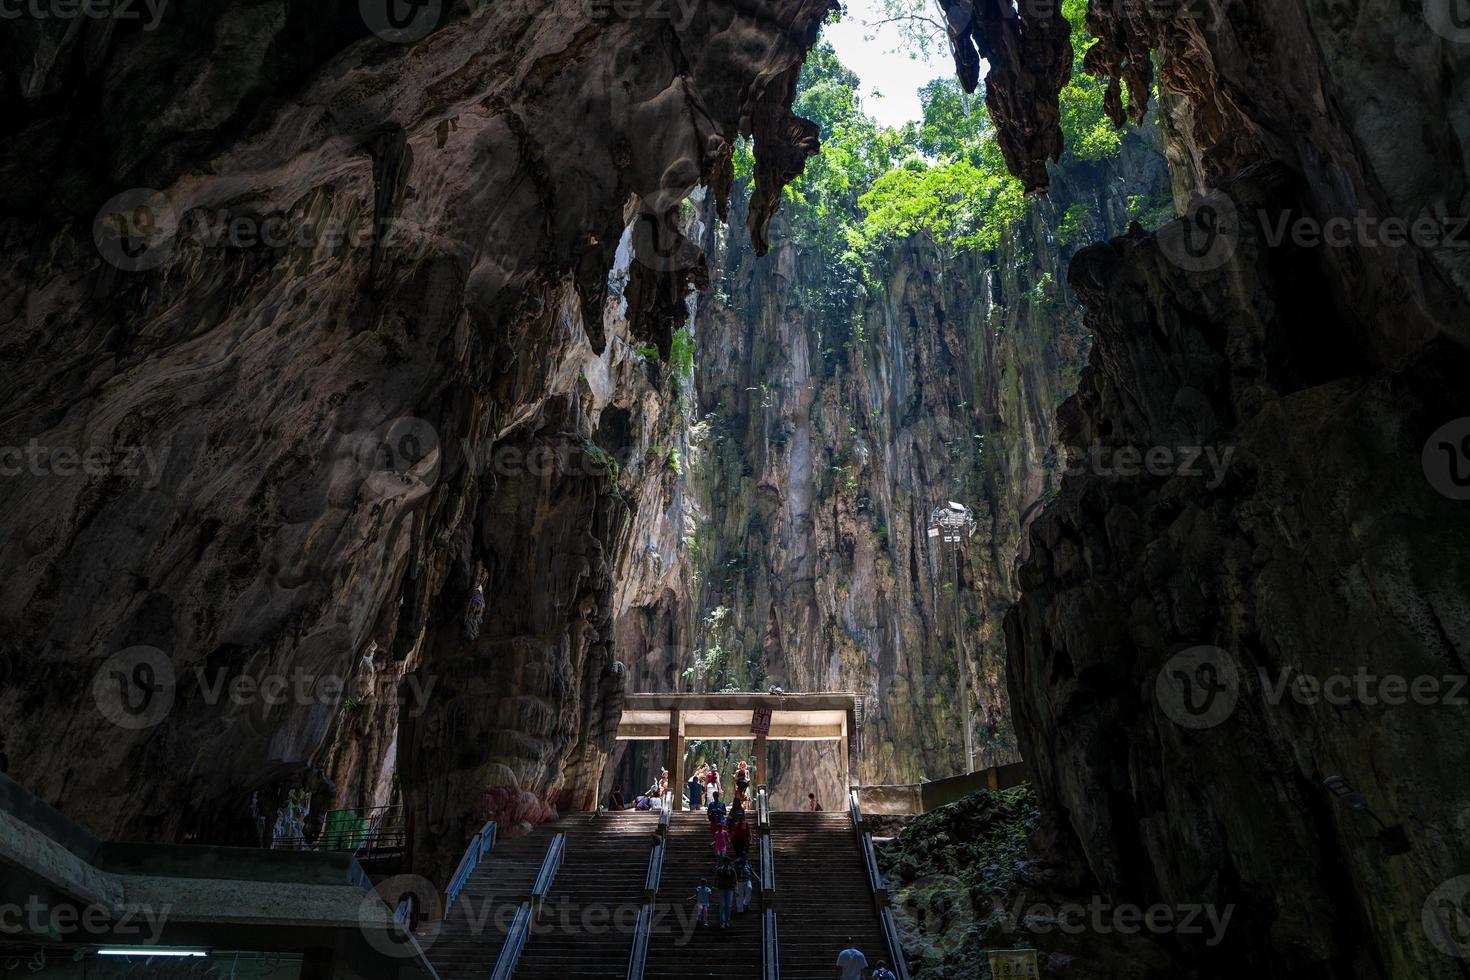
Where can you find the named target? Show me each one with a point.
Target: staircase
(679, 948)
(469, 939)
(824, 895)
(585, 928)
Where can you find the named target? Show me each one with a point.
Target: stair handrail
(638, 955)
(770, 937)
(655, 873)
(550, 865)
(762, 810)
(665, 812)
(895, 946)
(879, 889)
(515, 941)
(768, 870)
(480, 845)
(770, 947)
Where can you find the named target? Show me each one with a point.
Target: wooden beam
(830, 701)
(676, 757)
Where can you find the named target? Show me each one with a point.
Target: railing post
(770, 934)
(878, 887)
(515, 941)
(638, 955)
(550, 865)
(481, 844)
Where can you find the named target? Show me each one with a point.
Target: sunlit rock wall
(813, 461)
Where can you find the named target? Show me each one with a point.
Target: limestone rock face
(1027, 50)
(1170, 610)
(346, 297)
(791, 548)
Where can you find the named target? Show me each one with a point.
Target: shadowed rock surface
(1325, 549)
(324, 407)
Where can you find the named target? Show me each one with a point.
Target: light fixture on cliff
(954, 524)
(1394, 840)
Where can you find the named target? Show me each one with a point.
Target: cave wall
(816, 453)
(1166, 617)
(322, 276)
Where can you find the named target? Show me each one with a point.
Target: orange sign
(760, 721)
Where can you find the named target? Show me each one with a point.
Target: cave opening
(421, 416)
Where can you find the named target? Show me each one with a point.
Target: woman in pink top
(712, 779)
(721, 842)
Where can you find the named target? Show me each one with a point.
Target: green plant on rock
(954, 872)
(1073, 224)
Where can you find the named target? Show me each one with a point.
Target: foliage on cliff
(944, 174)
(953, 872)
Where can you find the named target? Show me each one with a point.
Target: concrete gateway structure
(824, 717)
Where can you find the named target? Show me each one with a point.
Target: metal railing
(515, 941)
(519, 932)
(770, 934)
(655, 874)
(665, 812)
(550, 865)
(361, 831)
(770, 947)
(878, 887)
(481, 844)
(638, 955)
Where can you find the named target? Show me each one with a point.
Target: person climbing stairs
(824, 895)
(679, 948)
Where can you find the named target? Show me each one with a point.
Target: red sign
(760, 721)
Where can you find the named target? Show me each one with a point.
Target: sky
(881, 65)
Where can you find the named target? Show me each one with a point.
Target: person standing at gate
(696, 792)
(712, 781)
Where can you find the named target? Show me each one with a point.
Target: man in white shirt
(851, 962)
